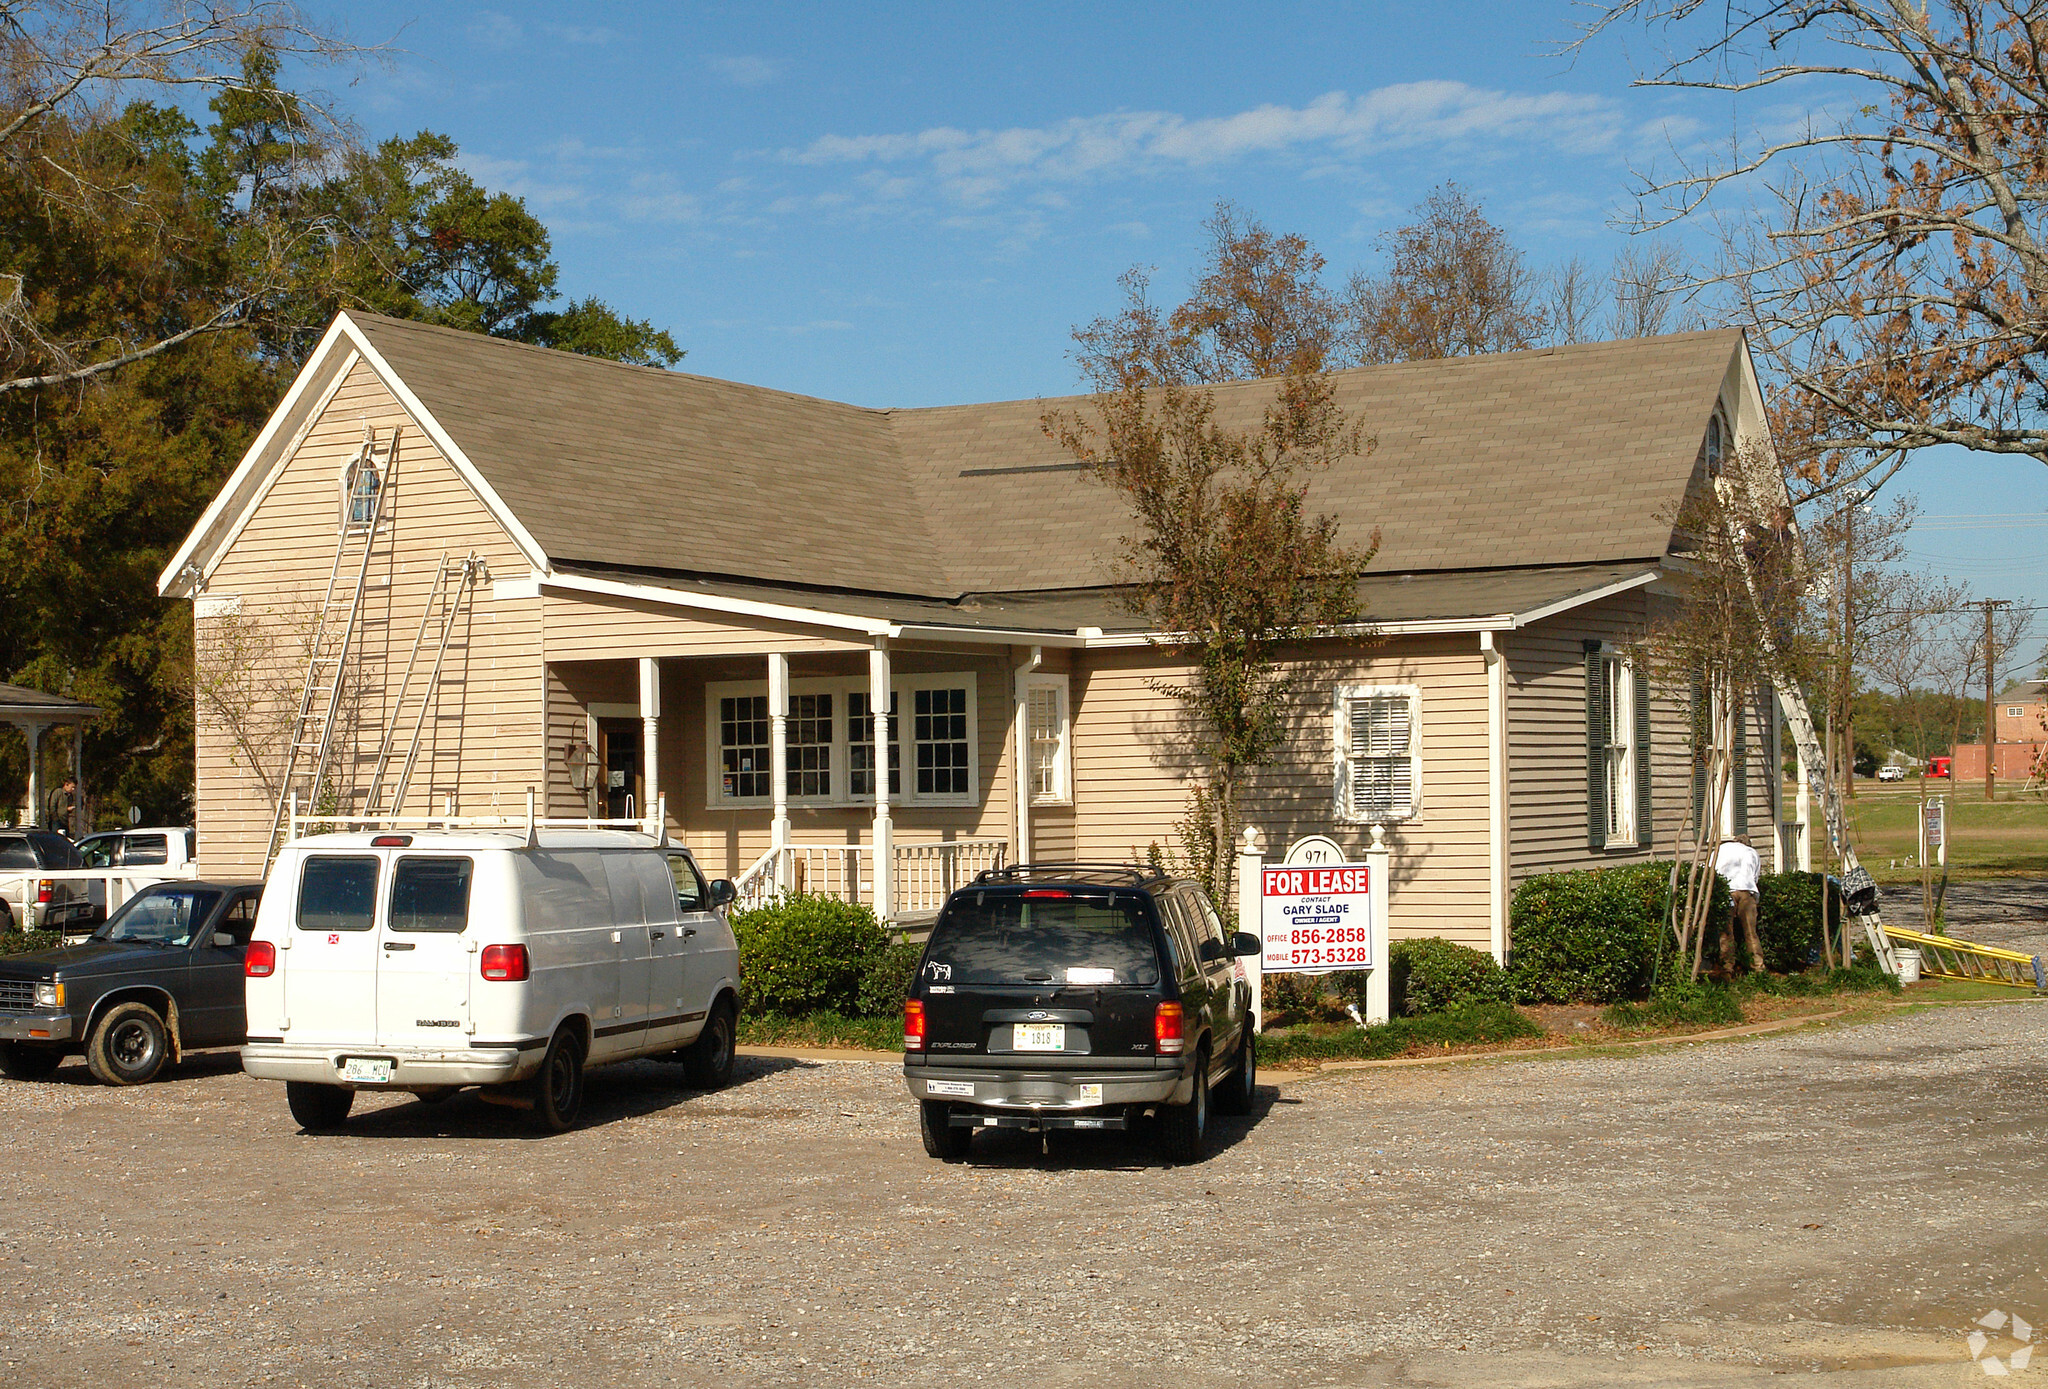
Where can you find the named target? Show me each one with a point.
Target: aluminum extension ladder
(1859, 889)
(1960, 959)
(454, 583)
(334, 634)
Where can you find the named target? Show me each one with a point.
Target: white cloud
(974, 167)
(577, 33)
(745, 70)
(494, 30)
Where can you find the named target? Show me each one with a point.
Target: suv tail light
(261, 960)
(506, 963)
(1166, 1030)
(44, 887)
(913, 1024)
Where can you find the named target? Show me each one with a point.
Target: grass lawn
(1987, 839)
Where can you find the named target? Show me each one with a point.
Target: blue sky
(914, 204)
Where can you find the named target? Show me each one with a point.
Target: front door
(619, 755)
(424, 964)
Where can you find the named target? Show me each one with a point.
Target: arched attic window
(362, 488)
(1716, 445)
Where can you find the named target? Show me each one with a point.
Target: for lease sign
(1317, 919)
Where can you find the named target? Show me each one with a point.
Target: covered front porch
(768, 764)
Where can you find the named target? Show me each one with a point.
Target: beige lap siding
(1132, 778)
(483, 739)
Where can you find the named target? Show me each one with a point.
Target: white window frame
(902, 689)
(350, 471)
(1347, 695)
(1618, 672)
(1062, 792)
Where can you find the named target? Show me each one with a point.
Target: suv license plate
(363, 1071)
(1039, 1036)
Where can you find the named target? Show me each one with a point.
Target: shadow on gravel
(197, 1065)
(612, 1093)
(1088, 1151)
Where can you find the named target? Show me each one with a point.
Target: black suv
(1078, 996)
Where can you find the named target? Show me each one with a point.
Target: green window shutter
(1596, 748)
(1740, 713)
(1643, 784)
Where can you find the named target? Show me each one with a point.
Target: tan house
(693, 595)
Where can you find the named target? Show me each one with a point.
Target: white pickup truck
(164, 847)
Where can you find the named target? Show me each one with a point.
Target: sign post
(1934, 833)
(1316, 916)
(1249, 862)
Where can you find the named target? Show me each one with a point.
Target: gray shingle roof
(1569, 456)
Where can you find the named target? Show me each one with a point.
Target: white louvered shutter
(1382, 758)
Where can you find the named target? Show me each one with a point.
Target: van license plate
(363, 1071)
(1039, 1036)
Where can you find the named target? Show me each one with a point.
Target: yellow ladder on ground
(1960, 959)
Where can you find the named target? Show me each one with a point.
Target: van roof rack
(1103, 874)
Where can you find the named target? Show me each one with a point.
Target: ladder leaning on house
(454, 583)
(1859, 889)
(369, 482)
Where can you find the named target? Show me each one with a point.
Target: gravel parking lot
(1841, 1199)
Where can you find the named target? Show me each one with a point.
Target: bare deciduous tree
(1454, 286)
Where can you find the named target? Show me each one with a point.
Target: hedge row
(804, 955)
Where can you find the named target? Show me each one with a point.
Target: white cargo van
(443, 958)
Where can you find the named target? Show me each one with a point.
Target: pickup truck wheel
(941, 1139)
(128, 1046)
(318, 1108)
(707, 1063)
(558, 1085)
(1234, 1095)
(1184, 1128)
(18, 1062)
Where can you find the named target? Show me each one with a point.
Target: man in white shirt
(1737, 862)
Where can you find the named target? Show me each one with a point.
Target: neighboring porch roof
(1480, 600)
(20, 704)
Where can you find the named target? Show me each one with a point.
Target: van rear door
(424, 963)
(330, 974)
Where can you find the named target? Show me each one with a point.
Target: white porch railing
(921, 874)
(105, 888)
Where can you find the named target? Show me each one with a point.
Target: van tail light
(506, 963)
(913, 1024)
(44, 887)
(261, 960)
(1166, 1030)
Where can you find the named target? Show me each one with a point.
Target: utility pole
(1848, 639)
(1990, 606)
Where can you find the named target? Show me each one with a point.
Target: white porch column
(778, 760)
(884, 866)
(650, 728)
(1497, 791)
(35, 773)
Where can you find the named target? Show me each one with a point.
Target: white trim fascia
(718, 603)
(457, 459)
(169, 583)
(992, 636)
(1579, 600)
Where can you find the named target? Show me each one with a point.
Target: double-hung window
(1378, 753)
(830, 744)
(1617, 751)
(1048, 765)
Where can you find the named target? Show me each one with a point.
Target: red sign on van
(1317, 919)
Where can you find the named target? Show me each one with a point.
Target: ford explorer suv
(1079, 996)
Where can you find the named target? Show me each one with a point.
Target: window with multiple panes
(360, 489)
(939, 735)
(809, 736)
(1617, 751)
(830, 736)
(1045, 727)
(1617, 697)
(1378, 752)
(860, 745)
(743, 747)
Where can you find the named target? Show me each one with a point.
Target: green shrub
(1818, 983)
(1593, 936)
(22, 942)
(806, 954)
(1788, 919)
(1680, 1003)
(1431, 975)
(886, 981)
(1474, 1023)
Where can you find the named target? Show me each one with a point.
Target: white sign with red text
(1317, 919)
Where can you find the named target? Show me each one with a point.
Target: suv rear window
(1015, 939)
(16, 853)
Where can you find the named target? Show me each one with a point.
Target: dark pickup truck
(163, 975)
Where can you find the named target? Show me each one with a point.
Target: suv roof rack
(1105, 874)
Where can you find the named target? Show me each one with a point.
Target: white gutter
(1496, 791)
(706, 602)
